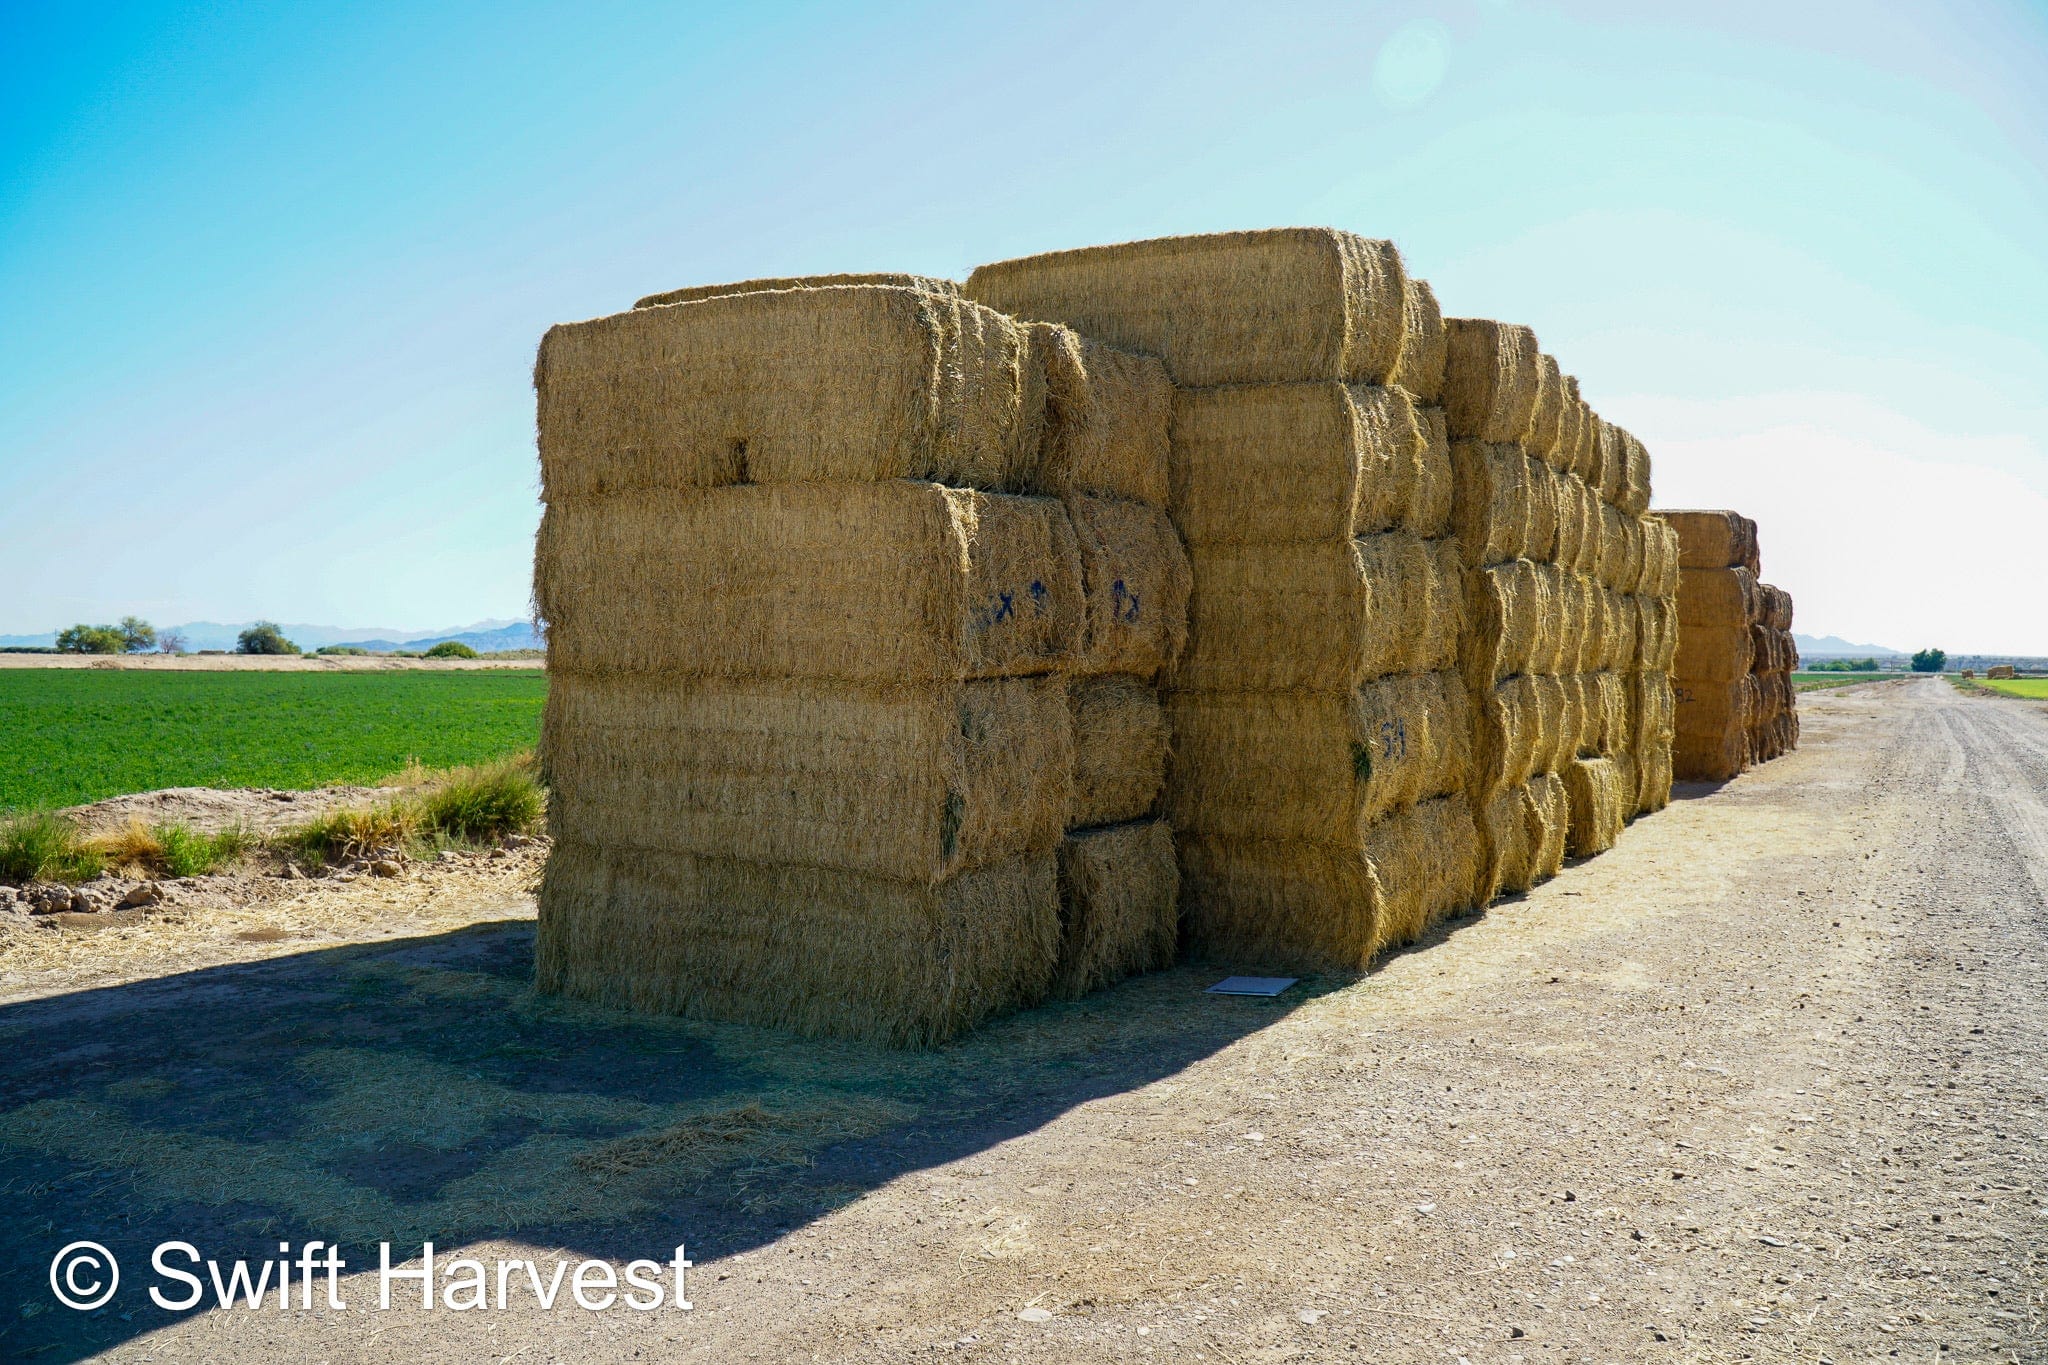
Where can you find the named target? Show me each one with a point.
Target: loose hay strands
(816, 951)
(1121, 739)
(845, 383)
(888, 583)
(1273, 306)
(911, 782)
(1119, 892)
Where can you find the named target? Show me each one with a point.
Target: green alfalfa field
(68, 736)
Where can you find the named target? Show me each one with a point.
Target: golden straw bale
(1714, 708)
(1107, 418)
(1713, 539)
(1492, 510)
(1320, 616)
(851, 383)
(1571, 428)
(1635, 475)
(1120, 746)
(1657, 633)
(1611, 473)
(814, 950)
(1774, 606)
(1517, 725)
(1546, 422)
(1544, 512)
(1653, 777)
(1550, 804)
(927, 284)
(1135, 582)
(1313, 765)
(1709, 756)
(1522, 832)
(1421, 367)
(1268, 463)
(1278, 906)
(1271, 306)
(1429, 511)
(1424, 860)
(1660, 557)
(1716, 597)
(1574, 526)
(1626, 647)
(1508, 609)
(890, 582)
(912, 783)
(1119, 906)
(1598, 804)
(1491, 380)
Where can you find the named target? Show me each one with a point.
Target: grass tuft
(40, 846)
(462, 806)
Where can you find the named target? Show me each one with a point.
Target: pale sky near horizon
(271, 276)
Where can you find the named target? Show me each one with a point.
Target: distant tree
(264, 638)
(450, 649)
(137, 635)
(84, 639)
(1929, 660)
(341, 649)
(169, 642)
(1846, 666)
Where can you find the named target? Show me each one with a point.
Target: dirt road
(1764, 1083)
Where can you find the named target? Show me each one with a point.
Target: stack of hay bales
(1717, 689)
(1320, 726)
(857, 593)
(1568, 587)
(1774, 724)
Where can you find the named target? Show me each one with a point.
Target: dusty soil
(263, 810)
(279, 663)
(1764, 1083)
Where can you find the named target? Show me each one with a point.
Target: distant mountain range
(484, 636)
(1835, 647)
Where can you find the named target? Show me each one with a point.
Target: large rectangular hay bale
(1709, 709)
(911, 783)
(1709, 756)
(1599, 805)
(1544, 439)
(1135, 583)
(1424, 860)
(1521, 837)
(1492, 380)
(1493, 512)
(1268, 463)
(1635, 475)
(1715, 653)
(1121, 741)
(1323, 617)
(815, 950)
(1107, 415)
(1510, 614)
(1715, 597)
(1517, 725)
(1278, 906)
(1421, 367)
(1712, 538)
(1313, 765)
(1774, 606)
(1271, 306)
(851, 383)
(1119, 906)
(890, 582)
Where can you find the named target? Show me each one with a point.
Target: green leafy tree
(1929, 660)
(264, 638)
(84, 639)
(451, 649)
(137, 635)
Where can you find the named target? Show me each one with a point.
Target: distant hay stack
(1735, 656)
(857, 595)
(1320, 741)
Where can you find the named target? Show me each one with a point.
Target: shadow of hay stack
(421, 1089)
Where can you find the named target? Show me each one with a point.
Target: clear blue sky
(271, 276)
